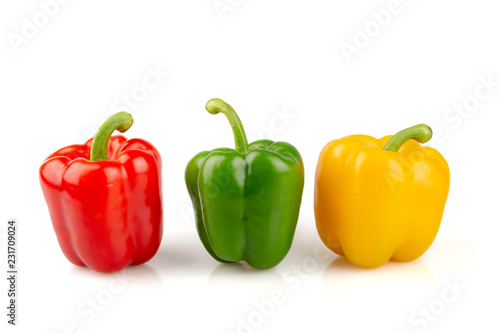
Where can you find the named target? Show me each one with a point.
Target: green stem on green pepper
(216, 105)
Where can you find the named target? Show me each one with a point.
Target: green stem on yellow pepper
(121, 122)
(216, 105)
(422, 133)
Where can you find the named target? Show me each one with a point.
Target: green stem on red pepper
(216, 105)
(121, 122)
(422, 133)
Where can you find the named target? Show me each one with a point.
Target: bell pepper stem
(216, 105)
(422, 133)
(121, 122)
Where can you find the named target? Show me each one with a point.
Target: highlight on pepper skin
(380, 199)
(105, 198)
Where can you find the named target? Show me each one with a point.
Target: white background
(265, 59)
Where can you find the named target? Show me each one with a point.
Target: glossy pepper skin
(106, 213)
(377, 200)
(246, 200)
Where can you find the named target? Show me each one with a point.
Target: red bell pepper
(107, 213)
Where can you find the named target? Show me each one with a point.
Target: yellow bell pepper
(377, 200)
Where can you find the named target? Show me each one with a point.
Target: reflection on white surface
(342, 278)
(138, 276)
(256, 297)
(241, 279)
(385, 294)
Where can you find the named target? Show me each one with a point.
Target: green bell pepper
(246, 200)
